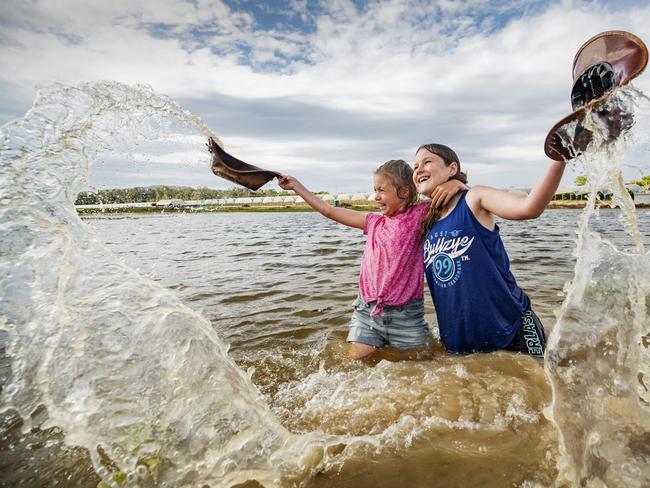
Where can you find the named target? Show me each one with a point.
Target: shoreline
(554, 205)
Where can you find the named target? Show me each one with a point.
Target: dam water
(209, 349)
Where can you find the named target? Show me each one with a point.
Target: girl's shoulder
(474, 200)
(421, 207)
(477, 191)
(417, 211)
(474, 195)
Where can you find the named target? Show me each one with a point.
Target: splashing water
(598, 359)
(121, 365)
(146, 386)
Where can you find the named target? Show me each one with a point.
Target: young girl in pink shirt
(389, 309)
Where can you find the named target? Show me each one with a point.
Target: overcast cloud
(323, 90)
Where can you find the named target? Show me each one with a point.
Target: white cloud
(438, 68)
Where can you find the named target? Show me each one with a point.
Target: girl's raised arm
(351, 218)
(482, 199)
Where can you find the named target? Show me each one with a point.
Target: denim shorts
(402, 327)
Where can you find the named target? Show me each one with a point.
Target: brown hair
(448, 156)
(400, 175)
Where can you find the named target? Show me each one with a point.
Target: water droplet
(229, 465)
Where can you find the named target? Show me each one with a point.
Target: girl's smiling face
(430, 171)
(387, 197)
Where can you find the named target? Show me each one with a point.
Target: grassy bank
(217, 209)
(569, 204)
(566, 204)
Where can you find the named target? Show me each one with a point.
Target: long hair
(448, 156)
(400, 175)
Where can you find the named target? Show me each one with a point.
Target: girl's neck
(450, 206)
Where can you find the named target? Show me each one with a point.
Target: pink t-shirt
(392, 267)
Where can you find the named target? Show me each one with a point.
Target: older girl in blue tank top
(479, 306)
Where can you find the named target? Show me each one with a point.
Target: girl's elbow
(328, 211)
(531, 213)
(531, 208)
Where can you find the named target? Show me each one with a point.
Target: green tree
(644, 181)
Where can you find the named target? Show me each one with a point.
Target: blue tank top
(477, 300)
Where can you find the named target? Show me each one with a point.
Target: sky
(323, 90)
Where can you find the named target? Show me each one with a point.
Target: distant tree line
(141, 194)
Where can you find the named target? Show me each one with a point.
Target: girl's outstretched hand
(287, 182)
(442, 194)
